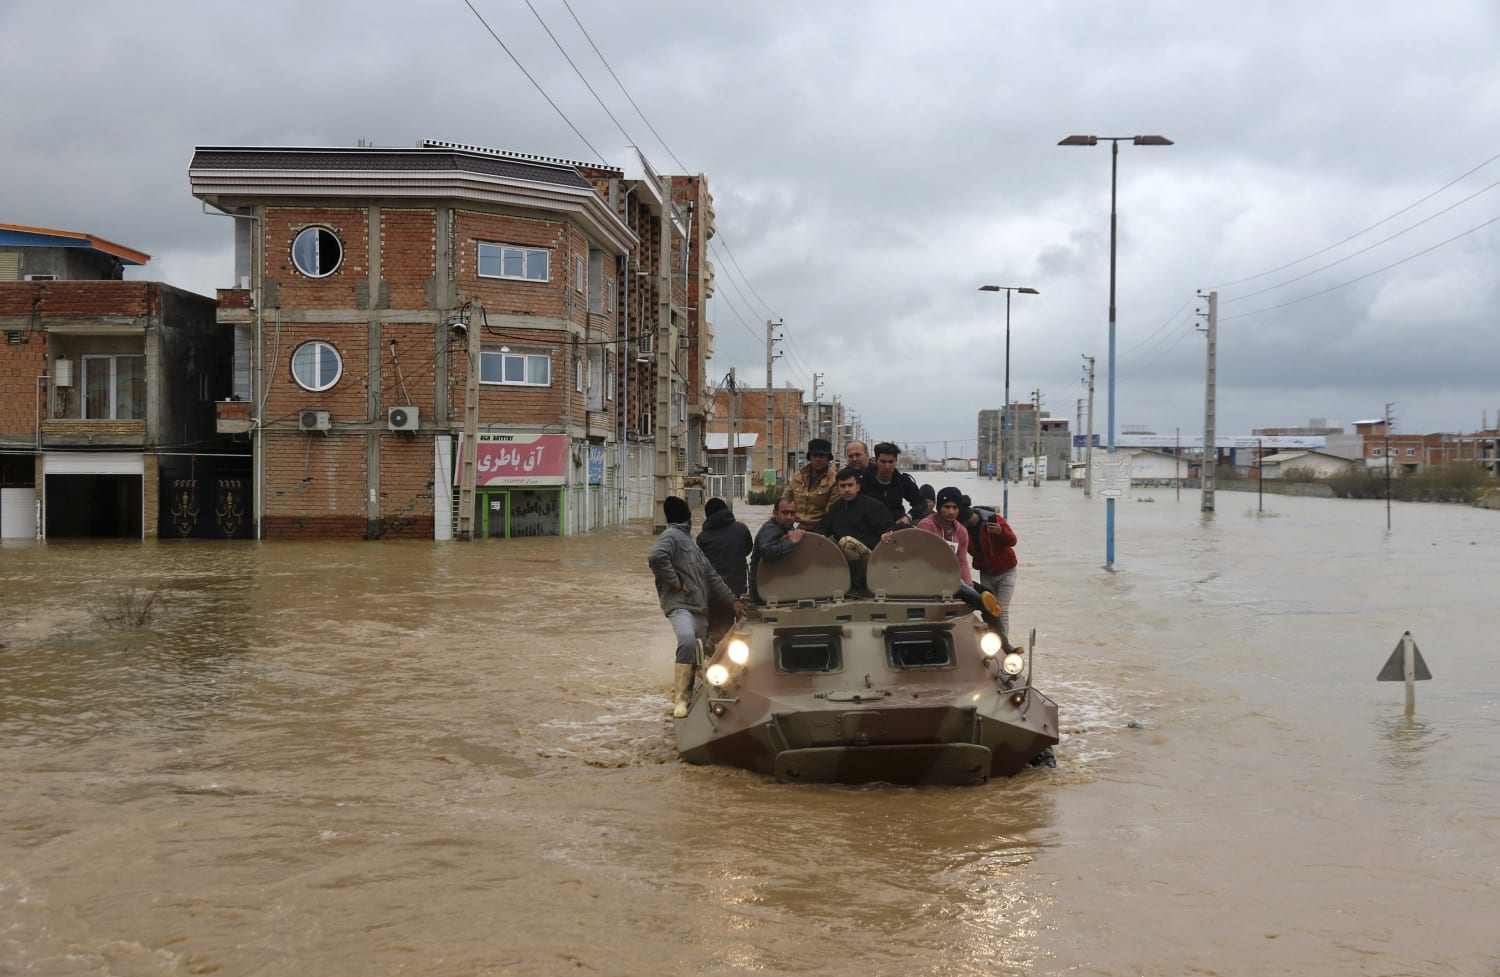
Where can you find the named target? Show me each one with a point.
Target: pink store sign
(518, 459)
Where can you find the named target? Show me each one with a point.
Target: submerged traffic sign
(1395, 666)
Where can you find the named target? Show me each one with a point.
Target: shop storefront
(519, 485)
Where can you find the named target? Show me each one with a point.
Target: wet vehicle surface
(899, 683)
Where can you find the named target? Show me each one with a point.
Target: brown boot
(682, 687)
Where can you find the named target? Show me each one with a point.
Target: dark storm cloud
(873, 164)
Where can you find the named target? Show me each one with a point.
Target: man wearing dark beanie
(687, 587)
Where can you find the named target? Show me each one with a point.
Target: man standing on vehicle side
(892, 488)
(687, 586)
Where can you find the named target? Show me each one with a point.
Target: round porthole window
(316, 366)
(317, 252)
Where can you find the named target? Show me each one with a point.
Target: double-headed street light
(1114, 167)
(1005, 416)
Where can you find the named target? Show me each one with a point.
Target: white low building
(1320, 463)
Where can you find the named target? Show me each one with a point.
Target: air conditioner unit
(314, 420)
(404, 417)
(643, 347)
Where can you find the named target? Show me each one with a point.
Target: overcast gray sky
(874, 163)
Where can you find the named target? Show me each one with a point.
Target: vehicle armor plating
(819, 686)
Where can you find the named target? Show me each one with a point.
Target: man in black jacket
(775, 539)
(857, 522)
(726, 542)
(891, 488)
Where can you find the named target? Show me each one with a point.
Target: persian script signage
(519, 459)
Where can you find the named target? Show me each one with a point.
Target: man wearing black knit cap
(687, 587)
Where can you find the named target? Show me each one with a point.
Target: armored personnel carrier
(905, 685)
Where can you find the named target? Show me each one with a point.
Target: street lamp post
(1114, 167)
(1005, 415)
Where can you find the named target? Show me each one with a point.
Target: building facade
(428, 339)
(108, 392)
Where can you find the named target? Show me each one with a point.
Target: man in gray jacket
(687, 586)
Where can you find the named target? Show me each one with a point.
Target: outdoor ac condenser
(403, 417)
(62, 373)
(314, 420)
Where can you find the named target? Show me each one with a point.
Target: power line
(562, 115)
(1356, 254)
(623, 89)
(1272, 271)
(563, 51)
(1361, 278)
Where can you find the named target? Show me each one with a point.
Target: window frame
(317, 251)
(527, 254)
(528, 357)
(832, 637)
(113, 386)
(319, 347)
(933, 635)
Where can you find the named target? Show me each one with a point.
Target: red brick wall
(20, 365)
(337, 291)
(406, 487)
(345, 401)
(315, 485)
(408, 256)
(505, 296)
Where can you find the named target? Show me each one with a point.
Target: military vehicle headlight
(989, 644)
(1012, 664)
(717, 675)
(739, 652)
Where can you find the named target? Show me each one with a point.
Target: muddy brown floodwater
(455, 759)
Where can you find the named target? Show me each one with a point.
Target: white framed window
(578, 375)
(114, 387)
(596, 378)
(1411, 452)
(317, 252)
(316, 366)
(609, 295)
(517, 369)
(578, 277)
(1377, 452)
(507, 261)
(609, 378)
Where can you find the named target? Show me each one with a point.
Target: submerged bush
(1461, 482)
(130, 608)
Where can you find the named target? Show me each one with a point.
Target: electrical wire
(537, 85)
(1332, 288)
(1383, 220)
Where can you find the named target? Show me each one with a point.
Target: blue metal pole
(1005, 420)
(1109, 503)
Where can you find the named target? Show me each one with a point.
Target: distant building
(1319, 463)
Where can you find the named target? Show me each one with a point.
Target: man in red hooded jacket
(992, 546)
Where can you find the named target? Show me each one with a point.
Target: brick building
(779, 450)
(386, 300)
(107, 391)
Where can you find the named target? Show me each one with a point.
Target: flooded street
(455, 759)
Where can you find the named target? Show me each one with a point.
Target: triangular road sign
(1395, 666)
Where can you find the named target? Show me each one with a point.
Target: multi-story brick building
(386, 302)
(107, 397)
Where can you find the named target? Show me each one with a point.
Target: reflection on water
(448, 758)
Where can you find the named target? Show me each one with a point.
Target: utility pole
(664, 483)
(1389, 420)
(1177, 464)
(771, 339)
(817, 426)
(729, 385)
(1036, 445)
(469, 445)
(1088, 444)
(1210, 448)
